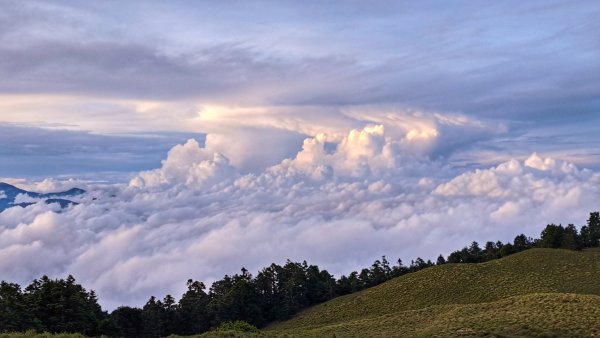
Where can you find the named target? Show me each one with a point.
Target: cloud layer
(339, 204)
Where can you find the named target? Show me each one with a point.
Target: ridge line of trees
(276, 292)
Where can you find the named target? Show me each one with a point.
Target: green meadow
(538, 292)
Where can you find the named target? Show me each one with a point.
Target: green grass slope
(539, 292)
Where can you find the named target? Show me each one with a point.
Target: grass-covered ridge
(539, 291)
(533, 315)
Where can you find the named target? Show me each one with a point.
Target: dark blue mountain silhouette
(8, 193)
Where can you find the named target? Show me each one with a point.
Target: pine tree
(440, 260)
(593, 225)
(570, 238)
(552, 236)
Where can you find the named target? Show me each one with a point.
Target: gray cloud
(520, 61)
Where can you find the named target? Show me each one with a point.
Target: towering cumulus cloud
(187, 164)
(340, 202)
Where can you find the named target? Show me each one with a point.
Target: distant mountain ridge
(9, 193)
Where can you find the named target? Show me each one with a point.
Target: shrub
(238, 325)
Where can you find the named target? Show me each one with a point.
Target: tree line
(276, 292)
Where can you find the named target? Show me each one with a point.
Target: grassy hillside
(537, 292)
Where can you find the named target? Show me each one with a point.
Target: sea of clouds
(343, 200)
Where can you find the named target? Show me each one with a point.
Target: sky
(216, 135)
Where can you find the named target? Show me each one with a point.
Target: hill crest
(455, 287)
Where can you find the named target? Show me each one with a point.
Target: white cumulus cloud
(336, 203)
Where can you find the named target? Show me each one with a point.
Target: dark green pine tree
(292, 285)
(356, 283)
(476, 255)
(522, 242)
(63, 306)
(126, 322)
(377, 274)
(507, 249)
(13, 311)
(266, 283)
(152, 318)
(570, 238)
(235, 298)
(193, 312)
(320, 285)
(440, 260)
(552, 236)
(593, 225)
(170, 316)
(343, 286)
(585, 237)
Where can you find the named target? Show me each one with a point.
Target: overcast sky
(278, 120)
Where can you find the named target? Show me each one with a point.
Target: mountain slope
(9, 193)
(533, 315)
(525, 293)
